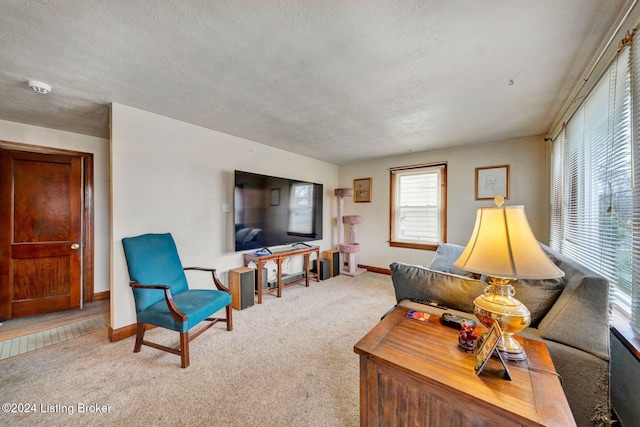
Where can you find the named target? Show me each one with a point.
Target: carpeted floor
(288, 362)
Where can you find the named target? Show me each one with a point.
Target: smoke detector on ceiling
(39, 87)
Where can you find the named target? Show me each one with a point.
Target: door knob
(75, 246)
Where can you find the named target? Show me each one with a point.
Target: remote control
(428, 302)
(455, 321)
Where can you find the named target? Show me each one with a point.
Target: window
(418, 206)
(595, 206)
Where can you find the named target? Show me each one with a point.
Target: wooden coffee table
(413, 374)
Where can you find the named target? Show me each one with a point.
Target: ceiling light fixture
(39, 87)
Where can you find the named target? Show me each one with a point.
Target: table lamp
(503, 248)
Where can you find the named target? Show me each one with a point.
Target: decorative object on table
(455, 321)
(488, 348)
(467, 339)
(418, 315)
(351, 248)
(362, 190)
(492, 180)
(503, 248)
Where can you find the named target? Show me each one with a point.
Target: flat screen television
(272, 211)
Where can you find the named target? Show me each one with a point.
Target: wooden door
(40, 233)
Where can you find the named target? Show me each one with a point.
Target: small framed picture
(362, 190)
(275, 197)
(491, 181)
(488, 348)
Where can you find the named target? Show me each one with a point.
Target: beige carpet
(288, 362)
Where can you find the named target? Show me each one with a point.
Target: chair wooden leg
(184, 349)
(140, 328)
(229, 318)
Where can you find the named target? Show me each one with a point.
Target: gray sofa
(570, 315)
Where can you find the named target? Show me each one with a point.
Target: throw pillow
(538, 295)
(450, 290)
(446, 255)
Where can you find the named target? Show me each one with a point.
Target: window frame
(441, 168)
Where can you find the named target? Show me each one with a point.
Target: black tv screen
(272, 211)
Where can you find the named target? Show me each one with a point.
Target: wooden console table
(278, 257)
(412, 374)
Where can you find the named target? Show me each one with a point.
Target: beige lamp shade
(503, 245)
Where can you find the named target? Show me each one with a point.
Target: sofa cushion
(446, 255)
(580, 316)
(451, 290)
(538, 295)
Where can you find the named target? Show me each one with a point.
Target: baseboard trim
(376, 269)
(122, 333)
(101, 296)
(125, 332)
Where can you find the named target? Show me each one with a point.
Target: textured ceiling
(333, 80)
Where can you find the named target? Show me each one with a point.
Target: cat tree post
(351, 248)
(341, 193)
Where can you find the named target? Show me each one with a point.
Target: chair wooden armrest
(217, 282)
(177, 314)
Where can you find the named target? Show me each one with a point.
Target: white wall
(33, 135)
(529, 165)
(170, 176)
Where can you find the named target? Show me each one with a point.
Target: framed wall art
(362, 190)
(491, 181)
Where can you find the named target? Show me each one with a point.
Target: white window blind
(635, 279)
(418, 205)
(592, 194)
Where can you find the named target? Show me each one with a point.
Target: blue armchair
(162, 295)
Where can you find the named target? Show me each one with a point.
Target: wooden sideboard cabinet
(413, 374)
